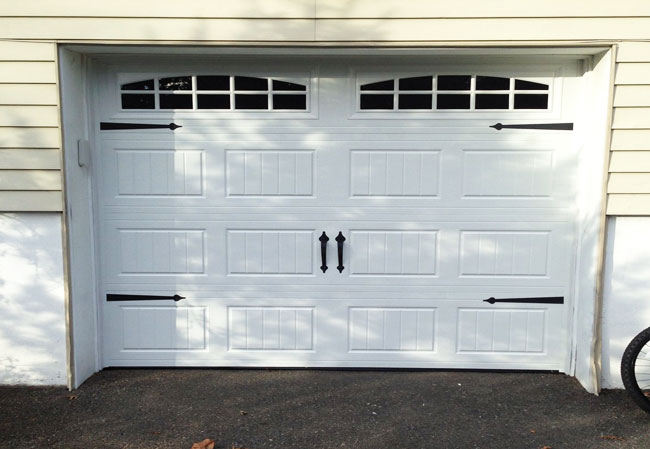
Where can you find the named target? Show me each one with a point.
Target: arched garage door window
(214, 92)
(453, 92)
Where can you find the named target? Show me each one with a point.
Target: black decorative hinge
(109, 126)
(555, 126)
(114, 297)
(542, 300)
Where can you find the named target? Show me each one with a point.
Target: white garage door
(430, 210)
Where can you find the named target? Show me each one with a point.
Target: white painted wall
(626, 304)
(32, 318)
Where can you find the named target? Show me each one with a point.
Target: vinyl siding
(629, 169)
(30, 156)
(29, 117)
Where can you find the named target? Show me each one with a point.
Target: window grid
(194, 92)
(434, 92)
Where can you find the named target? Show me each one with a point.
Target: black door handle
(339, 240)
(323, 251)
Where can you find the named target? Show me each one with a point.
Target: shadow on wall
(32, 319)
(626, 305)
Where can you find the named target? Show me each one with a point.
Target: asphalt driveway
(173, 408)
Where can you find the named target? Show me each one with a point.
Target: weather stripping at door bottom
(114, 297)
(542, 300)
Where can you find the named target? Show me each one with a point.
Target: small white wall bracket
(83, 153)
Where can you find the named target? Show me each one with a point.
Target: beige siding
(22, 159)
(29, 118)
(31, 201)
(629, 177)
(327, 9)
(30, 157)
(27, 94)
(631, 96)
(332, 30)
(629, 162)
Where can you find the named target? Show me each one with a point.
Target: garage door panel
(304, 332)
(289, 253)
(439, 212)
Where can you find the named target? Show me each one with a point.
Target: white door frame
(592, 128)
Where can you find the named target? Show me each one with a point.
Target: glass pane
(410, 101)
(416, 83)
(213, 83)
(531, 101)
(376, 101)
(485, 101)
(206, 101)
(139, 85)
(453, 101)
(492, 83)
(454, 82)
(295, 102)
(283, 85)
(529, 85)
(250, 83)
(251, 102)
(171, 101)
(138, 101)
(381, 85)
(176, 83)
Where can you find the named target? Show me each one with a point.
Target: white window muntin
(306, 78)
(270, 92)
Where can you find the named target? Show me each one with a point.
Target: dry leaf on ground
(205, 444)
(612, 437)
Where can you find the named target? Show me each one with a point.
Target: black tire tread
(627, 369)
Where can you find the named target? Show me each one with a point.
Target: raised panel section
(161, 251)
(490, 253)
(502, 330)
(270, 173)
(163, 328)
(160, 172)
(392, 329)
(270, 252)
(394, 173)
(393, 252)
(507, 173)
(271, 328)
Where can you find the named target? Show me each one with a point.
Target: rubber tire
(627, 369)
